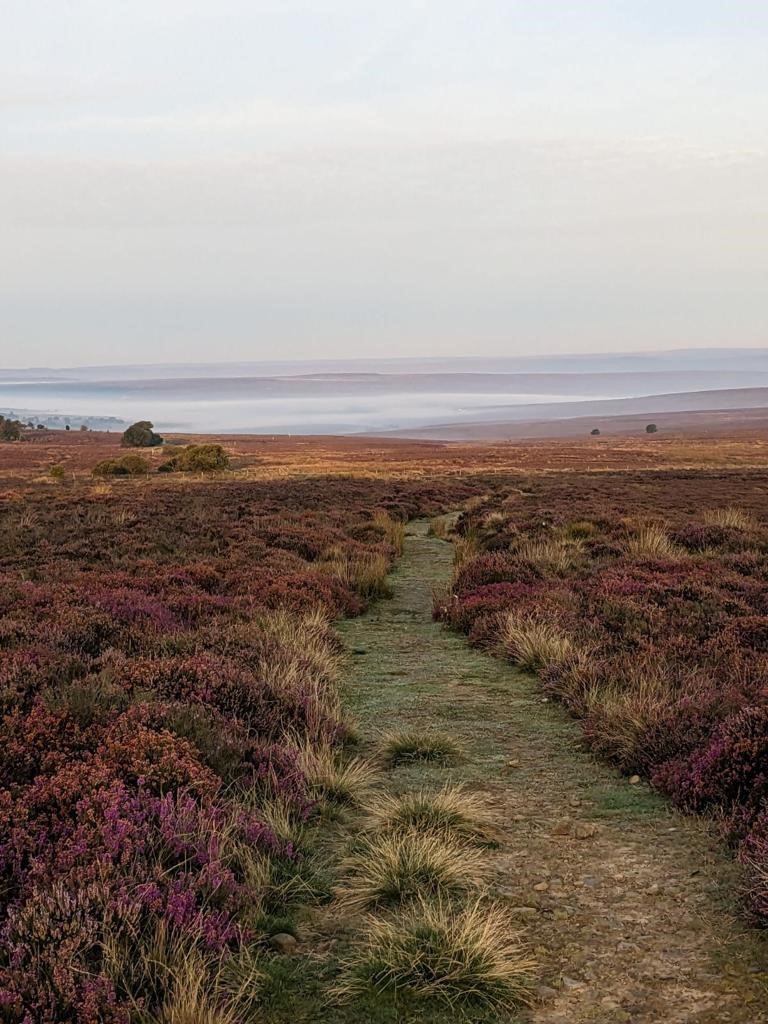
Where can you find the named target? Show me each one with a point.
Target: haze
(248, 180)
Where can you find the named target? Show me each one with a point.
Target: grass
(332, 777)
(451, 812)
(407, 747)
(533, 644)
(652, 541)
(464, 958)
(731, 517)
(390, 869)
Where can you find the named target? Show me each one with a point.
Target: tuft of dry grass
(406, 747)
(366, 572)
(464, 548)
(440, 527)
(168, 980)
(652, 541)
(465, 958)
(554, 556)
(730, 517)
(533, 644)
(451, 812)
(394, 530)
(391, 869)
(333, 778)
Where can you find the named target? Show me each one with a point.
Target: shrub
(141, 435)
(464, 958)
(651, 428)
(595, 432)
(10, 430)
(57, 472)
(128, 465)
(197, 458)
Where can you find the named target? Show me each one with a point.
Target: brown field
(269, 457)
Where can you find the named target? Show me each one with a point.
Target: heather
(168, 688)
(641, 600)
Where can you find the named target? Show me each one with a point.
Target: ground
(629, 906)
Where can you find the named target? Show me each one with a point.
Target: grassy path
(628, 905)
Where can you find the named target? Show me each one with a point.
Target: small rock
(589, 882)
(541, 887)
(653, 890)
(545, 993)
(571, 983)
(634, 779)
(283, 942)
(575, 801)
(562, 828)
(524, 911)
(585, 830)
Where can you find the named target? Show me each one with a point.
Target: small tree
(141, 435)
(651, 428)
(10, 430)
(595, 432)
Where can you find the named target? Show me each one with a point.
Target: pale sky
(260, 179)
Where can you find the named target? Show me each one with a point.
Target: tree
(595, 432)
(651, 428)
(141, 435)
(10, 430)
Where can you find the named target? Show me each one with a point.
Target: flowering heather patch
(166, 656)
(656, 586)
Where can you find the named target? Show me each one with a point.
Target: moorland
(369, 728)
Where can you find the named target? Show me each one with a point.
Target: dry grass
(331, 777)
(170, 981)
(393, 868)
(554, 556)
(440, 527)
(464, 548)
(451, 812)
(465, 958)
(533, 644)
(365, 572)
(730, 517)
(407, 747)
(394, 530)
(652, 541)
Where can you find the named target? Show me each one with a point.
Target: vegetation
(173, 735)
(404, 747)
(651, 428)
(655, 633)
(140, 435)
(10, 429)
(128, 465)
(197, 458)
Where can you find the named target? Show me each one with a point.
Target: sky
(279, 179)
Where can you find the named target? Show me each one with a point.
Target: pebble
(585, 830)
(546, 993)
(283, 942)
(541, 887)
(571, 983)
(524, 911)
(634, 779)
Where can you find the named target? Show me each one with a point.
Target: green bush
(128, 465)
(651, 428)
(141, 435)
(197, 458)
(56, 472)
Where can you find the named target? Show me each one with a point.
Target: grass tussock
(554, 556)
(464, 958)
(408, 747)
(440, 527)
(533, 644)
(394, 530)
(730, 517)
(363, 571)
(392, 869)
(168, 980)
(465, 548)
(332, 777)
(652, 541)
(451, 812)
